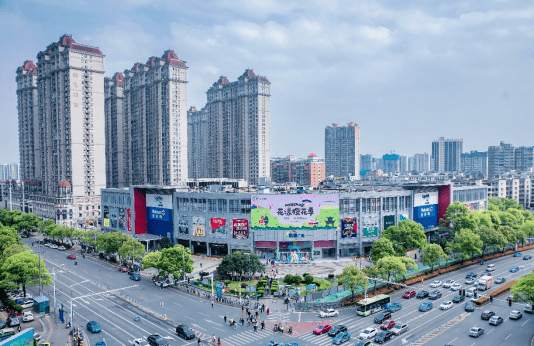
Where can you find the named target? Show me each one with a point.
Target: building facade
(342, 150)
(116, 140)
(391, 163)
(10, 171)
(303, 171)
(421, 163)
(234, 130)
(446, 155)
(475, 162)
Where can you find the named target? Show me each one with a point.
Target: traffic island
(495, 293)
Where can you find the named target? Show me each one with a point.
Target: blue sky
(407, 72)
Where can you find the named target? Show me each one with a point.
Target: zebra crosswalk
(247, 338)
(322, 339)
(279, 317)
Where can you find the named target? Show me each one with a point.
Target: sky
(407, 72)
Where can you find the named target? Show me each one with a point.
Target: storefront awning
(147, 237)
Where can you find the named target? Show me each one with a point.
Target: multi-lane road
(116, 315)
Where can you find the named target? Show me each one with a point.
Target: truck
(485, 282)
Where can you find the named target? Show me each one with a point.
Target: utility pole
(10, 200)
(23, 209)
(40, 286)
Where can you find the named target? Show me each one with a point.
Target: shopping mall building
(287, 226)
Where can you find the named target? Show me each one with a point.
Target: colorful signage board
(183, 224)
(403, 217)
(425, 198)
(199, 226)
(240, 228)
(389, 220)
(159, 201)
(426, 211)
(349, 227)
(294, 212)
(370, 226)
(159, 214)
(129, 219)
(122, 219)
(218, 227)
(106, 216)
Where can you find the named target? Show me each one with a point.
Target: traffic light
(460, 292)
(491, 298)
(475, 294)
(463, 293)
(509, 302)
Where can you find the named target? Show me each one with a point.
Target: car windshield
(474, 330)
(360, 308)
(326, 311)
(320, 327)
(367, 331)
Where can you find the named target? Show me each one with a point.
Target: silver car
(514, 315)
(476, 332)
(399, 328)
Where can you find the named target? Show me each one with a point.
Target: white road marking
(525, 322)
(450, 342)
(199, 327)
(508, 336)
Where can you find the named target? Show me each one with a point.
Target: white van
(470, 291)
(490, 267)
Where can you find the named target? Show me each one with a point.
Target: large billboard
(240, 228)
(113, 212)
(425, 209)
(218, 227)
(199, 226)
(183, 224)
(349, 227)
(106, 216)
(122, 219)
(370, 226)
(294, 212)
(159, 201)
(389, 220)
(159, 214)
(129, 219)
(425, 198)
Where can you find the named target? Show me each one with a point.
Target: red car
(71, 256)
(409, 294)
(123, 269)
(322, 328)
(388, 324)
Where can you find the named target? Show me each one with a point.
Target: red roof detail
(28, 65)
(67, 40)
(193, 109)
(119, 82)
(64, 183)
(118, 76)
(169, 55)
(33, 71)
(312, 154)
(263, 79)
(249, 73)
(136, 67)
(223, 80)
(151, 61)
(176, 62)
(85, 49)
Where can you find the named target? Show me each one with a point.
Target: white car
(469, 281)
(368, 333)
(476, 283)
(449, 283)
(27, 316)
(329, 313)
(162, 283)
(53, 246)
(456, 287)
(62, 248)
(139, 342)
(470, 292)
(446, 305)
(27, 304)
(435, 284)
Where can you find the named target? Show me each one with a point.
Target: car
(408, 294)
(341, 338)
(13, 321)
(518, 254)
(515, 315)
(392, 307)
(434, 295)
(93, 327)
(449, 283)
(322, 328)
(500, 280)
(422, 294)
(514, 269)
(496, 320)
(471, 275)
(337, 329)
(527, 257)
(162, 283)
(53, 246)
(399, 328)
(486, 274)
(455, 287)
(368, 333)
(469, 307)
(435, 284)
(458, 298)
(27, 316)
(469, 281)
(381, 317)
(383, 337)
(62, 248)
(123, 269)
(71, 256)
(100, 343)
(275, 343)
(132, 271)
(135, 277)
(27, 304)
(37, 336)
(329, 313)
(139, 342)
(387, 325)
(426, 306)
(156, 340)
(446, 305)
(487, 314)
(364, 343)
(476, 332)
(2, 324)
(185, 332)
(476, 282)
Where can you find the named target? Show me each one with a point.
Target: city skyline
(411, 70)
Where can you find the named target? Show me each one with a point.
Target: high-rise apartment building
(500, 159)
(10, 171)
(67, 168)
(475, 162)
(446, 155)
(366, 162)
(524, 159)
(421, 163)
(230, 135)
(403, 164)
(116, 131)
(391, 163)
(304, 171)
(342, 150)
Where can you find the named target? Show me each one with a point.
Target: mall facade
(285, 226)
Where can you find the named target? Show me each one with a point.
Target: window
(212, 205)
(235, 206)
(222, 203)
(245, 206)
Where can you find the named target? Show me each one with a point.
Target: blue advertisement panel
(159, 214)
(160, 222)
(23, 338)
(427, 215)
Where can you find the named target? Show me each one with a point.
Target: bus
(368, 306)
(6, 333)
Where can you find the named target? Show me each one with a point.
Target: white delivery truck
(485, 282)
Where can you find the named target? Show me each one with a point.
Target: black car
(337, 329)
(422, 294)
(364, 343)
(500, 280)
(156, 340)
(458, 299)
(434, 295)
(469, 306)
(132, 272)
(471, 275)
(381, 317)
(383, 337)
(2, 324)
(185, 332)
(487, 314)
(527, 257)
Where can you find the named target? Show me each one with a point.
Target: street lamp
(72, 311)
(54, 273)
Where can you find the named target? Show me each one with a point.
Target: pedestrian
(18, 328)
(218, 341)
(242, 308)
(267, 311)
(263, 307)
(256, 314)
(224, 319)
(255, 328)
(248, 322)
(262, 325)
(214, 339)
(212, 304)
(199, 341)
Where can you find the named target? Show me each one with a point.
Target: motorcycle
(482, 262)
(136, 318)
(76, 263)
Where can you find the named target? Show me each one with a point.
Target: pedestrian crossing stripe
(247, 338)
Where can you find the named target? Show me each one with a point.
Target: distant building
(446, 155)
(342, 150)
(524, 159)
(475, 162)
(391, 163)
(421, 163)
(305, 171)
(366, 162)
(10, 171)
(403, 164)
(505, 158)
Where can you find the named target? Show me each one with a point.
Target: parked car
(515, 315)
(383, 337)
(458, 299)
(387, 325)
(27, 316)
(487, 314)
(135, 277)
(123, 269)
(455, 287)
(71, 256)
(185, 332)
(341, 338)
(527, 257)
(500, 280)
(476, 332)
(37, 336)
(139, 342)
(13, 321)
(469, 307)
(2, 324)
(514, 269)
(399, 328)
(426, 306)
(93, 327)
(337, 329)
(368, 333)
(156, 340)
(26, 304)
(329, 313)
(381, 317)
(496, 320)
(434, 295)
(322, 328)
(422, 294)
(392, 307)
(470, 291)
(446, 305)
(435, 284)
(517, 254)
(162, 283)
(62, 248)
(448, 283)
(408, 294)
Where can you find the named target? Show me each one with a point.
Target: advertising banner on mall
(122, 219)
(114, 211)
(129, 219)
(240, 228)
(218, 227)
(425, 198)
(158, 214)
(349, 227)
(389, 220)
(159, 201)
(403, 217)
(294, 212)
(106, 216)
(370, 226)
(199, 226)
(183, 224)
(426, 211)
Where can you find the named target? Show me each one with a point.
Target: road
(116, 315)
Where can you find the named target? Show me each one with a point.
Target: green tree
(111, 242)
(353, 279)
(151, 259)
(132, 250)
(165, 243)
(431, 255)
(391, 267)
(373, 272)
(381, 248)
(297, 280)
(467, 243)
(528, 228)
(288, 279)
(237, 264)
(409, 264)
(27, 221)
(408, 235)
(456, 218)
(308, 279)
(15, 249)
(22, 269)
(491, 238)
(173, 259)
(502, 204)
(525, 288)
